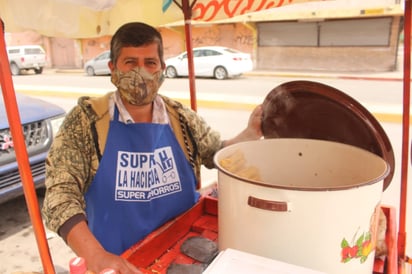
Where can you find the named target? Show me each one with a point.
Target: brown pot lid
(306, 109)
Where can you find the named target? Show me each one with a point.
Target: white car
(30, 57)
(98, 65)
(217, 62)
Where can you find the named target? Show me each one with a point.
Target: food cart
(159, 250)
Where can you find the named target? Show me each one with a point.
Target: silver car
(98, 65)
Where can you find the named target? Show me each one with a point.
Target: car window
(14, 50)
(33, 51)
(210, 52)
(103, 56)
(197, 53)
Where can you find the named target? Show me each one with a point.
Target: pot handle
(267, 204)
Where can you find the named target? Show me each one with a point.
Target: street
(237, 97)
(252, 88)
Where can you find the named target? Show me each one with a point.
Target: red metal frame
(388, 264)
(22, 157)
(405, 139)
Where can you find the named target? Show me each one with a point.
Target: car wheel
(220, 73)
(14, 69)
(38, 71)
(90, 71)
(171, 72)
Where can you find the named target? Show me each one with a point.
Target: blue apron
(143, 180)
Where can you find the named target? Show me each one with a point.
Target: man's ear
(111, 65)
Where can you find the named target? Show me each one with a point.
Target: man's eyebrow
(151, 58)
(137, 58)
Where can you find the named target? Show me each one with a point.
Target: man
(125, 163)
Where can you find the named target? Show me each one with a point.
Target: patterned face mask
(138, 87)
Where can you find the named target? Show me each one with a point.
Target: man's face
(131, 57)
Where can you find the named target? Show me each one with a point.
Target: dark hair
(135, 34)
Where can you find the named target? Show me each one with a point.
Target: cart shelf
(161, 248)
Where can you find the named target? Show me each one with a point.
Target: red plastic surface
(162, 247)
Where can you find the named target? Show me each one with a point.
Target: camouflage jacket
(74, 156)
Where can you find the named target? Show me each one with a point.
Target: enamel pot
(313, 203)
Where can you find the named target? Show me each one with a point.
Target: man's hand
(103, 259)
(84, 244)
(253, 131)
(255, 123)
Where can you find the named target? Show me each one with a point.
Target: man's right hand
(103, 259)
(84, 244)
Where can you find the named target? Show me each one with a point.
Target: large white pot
(314, 205)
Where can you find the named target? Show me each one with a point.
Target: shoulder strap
(100, 127)
(96, 141)
(185, 138)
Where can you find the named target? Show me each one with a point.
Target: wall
(238, 36)
(360, 59)
(63, 53)
(90, 48)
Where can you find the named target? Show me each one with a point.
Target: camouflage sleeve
(208, 141)
(70, 167)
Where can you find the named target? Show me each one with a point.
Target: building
(340, 35)
(324, 36)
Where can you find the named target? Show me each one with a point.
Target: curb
(389, 76)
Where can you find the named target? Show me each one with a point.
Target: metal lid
(306, 109)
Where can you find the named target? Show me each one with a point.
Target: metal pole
(405, 137)
(13, 116)
(187, 12)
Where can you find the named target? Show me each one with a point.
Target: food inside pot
(237, 164)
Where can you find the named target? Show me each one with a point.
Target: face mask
(138, 87)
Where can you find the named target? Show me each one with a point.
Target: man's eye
(151, 62)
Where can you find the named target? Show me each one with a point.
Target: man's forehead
(145, 52)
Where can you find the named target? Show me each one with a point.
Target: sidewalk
(377, 76)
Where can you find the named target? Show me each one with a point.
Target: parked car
(215, 61)
(30, 57)
(98, 65)
(40, 121)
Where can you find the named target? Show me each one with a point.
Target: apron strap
(96, 141)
